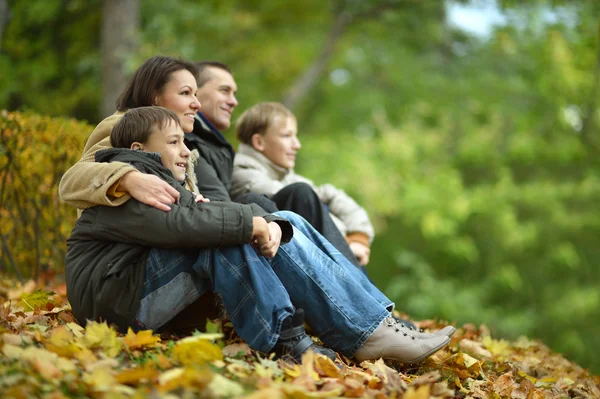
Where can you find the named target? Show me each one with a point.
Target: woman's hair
(138, 124)
(258, 118)
(149, 80)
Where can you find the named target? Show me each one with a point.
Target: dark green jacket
(109, 246)
(214, 167)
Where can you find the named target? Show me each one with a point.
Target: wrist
(125, 181)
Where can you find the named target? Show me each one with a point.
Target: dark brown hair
(258, 118)
(204, 74)
(138, 124)
(149, 80)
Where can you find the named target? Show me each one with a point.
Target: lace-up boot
(392, 341)
(293, 341)
(447, 331)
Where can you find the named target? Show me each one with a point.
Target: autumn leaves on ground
(45, 353)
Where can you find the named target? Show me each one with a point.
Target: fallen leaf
(141, 339)
(421, 392)
(326, 367)
(185, 378)
(224, 388)
(35, 300)
(196, 350)
(137, 375)
(234, 350)
(99, 335)
(475, 348)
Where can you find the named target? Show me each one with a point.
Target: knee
(292, 217)
(303, 190)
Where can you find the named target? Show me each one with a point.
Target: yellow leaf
(185, 378)
(196, 350)
(99, 335)
(62, 343)
(224, 388)
(101, 379)
(326, 367)
(35, 300)
(497, 347)
(268, 393)
(136, 375)
(421, 392)
(141, 339)
(76, 329)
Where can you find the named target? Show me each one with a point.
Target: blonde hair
(258, 118)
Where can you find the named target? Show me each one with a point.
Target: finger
(159, 205)
(172, 192)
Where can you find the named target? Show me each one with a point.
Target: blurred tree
(120, 38)
(3, 18)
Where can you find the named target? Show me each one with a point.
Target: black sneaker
(293, 341)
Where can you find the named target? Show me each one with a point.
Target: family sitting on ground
(158, 230)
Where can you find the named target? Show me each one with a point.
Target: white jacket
(253, 172)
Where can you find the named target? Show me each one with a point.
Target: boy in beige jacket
(264, 164)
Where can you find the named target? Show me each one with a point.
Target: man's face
(168, 142)
(217, 97)
(280, 142)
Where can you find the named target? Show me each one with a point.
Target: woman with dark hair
(124, 282)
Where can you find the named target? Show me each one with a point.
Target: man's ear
(258, 142)
(137, 146)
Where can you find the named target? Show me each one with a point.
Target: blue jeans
(342, 307)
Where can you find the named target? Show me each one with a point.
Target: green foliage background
(477, 157)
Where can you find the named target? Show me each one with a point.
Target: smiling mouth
(182, 165)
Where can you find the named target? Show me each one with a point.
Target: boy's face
(280, 142)
(168, 142)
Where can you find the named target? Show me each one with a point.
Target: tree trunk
(120, 36)
(313, 74)
(3, 18)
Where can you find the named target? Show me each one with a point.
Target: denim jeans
(342, 307)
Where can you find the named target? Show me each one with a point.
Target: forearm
(213, 225)
(87, 183)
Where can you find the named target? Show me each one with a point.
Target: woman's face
(179, 95)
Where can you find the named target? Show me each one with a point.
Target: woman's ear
(257, 142)
(137, 146)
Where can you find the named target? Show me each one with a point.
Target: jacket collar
(248, 150)
(204, 128)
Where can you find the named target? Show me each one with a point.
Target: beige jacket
(88, 183)
(253, 172)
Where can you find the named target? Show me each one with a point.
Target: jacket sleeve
(354, 217)
(250, 180)
(211, 224)
(87, 183)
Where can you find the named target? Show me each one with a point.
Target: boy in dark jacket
(136, 266)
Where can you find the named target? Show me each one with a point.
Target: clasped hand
(266, 237)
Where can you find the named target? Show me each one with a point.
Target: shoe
(406, 323)
(447, 331)
(394, 342)
(293, 341)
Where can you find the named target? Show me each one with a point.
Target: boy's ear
(137, 146)
(257, 142)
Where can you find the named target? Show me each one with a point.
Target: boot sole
(422, 357)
